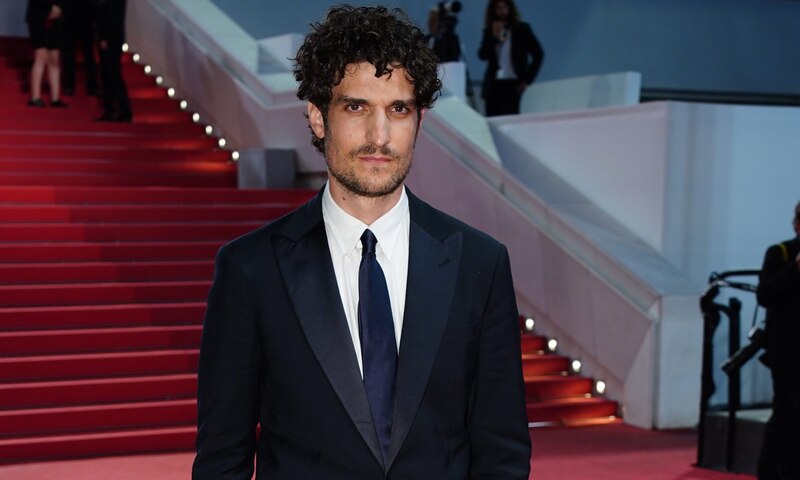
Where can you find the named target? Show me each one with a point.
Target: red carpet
(107, 239)
(610, 452)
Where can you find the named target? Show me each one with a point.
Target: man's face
(370, 131)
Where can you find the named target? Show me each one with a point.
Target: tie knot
(368, 241)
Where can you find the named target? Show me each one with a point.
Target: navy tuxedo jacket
(276, 351)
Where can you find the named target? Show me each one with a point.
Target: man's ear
(316, 121)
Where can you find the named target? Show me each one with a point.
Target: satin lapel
(305, 263)
(432, 269)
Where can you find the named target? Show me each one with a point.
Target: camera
(446, 44)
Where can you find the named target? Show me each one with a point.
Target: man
(407, 367)
(110, 15)
(514, 55)
(779, 292)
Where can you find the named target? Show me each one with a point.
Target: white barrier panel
(614, 89)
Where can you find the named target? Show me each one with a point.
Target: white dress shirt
(505, 69)
(344, 241)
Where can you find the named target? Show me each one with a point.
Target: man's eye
(400, 109)
(353, 107)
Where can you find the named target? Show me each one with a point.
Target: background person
(46, 32)
(514, 55)
(779, 292)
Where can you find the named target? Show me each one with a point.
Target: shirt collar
(346, 230)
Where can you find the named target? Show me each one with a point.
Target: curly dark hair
(385, 38)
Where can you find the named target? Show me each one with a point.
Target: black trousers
(502, 97)
(780, 450)
(78, 29)
(115, 92)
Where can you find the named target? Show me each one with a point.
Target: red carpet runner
(107, 239)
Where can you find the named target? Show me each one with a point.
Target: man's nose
(378, 129)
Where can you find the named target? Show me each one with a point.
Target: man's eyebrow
(409, 103)
(345, 99)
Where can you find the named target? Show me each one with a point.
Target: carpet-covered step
(118, 179)
(103, 293)
(26, 395)
(125, 232)
(12, 253)
(63, 367)
(92, 444)
(533, 343)
(88, 112)
(93, 316)
(115, 168)
(50, 195)
(116, 139)
(546, 364)
(66, 420)
(87, 152)
(88, 124)
(72, 341)
(98, 272)
(21, 214)
(565, 411)
(543, 387)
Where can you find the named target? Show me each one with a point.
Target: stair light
(184, 104)
(148, 69)
(136, 58)
(552, 345)
(125, 47)
(529, 322)
(600, 387)
(171, 92)
(196, 117)
(209, 129)
(222, 142)
(159, 80)
(235, 155)
(575, 366)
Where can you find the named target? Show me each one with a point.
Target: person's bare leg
(54, 74)
(37, 72)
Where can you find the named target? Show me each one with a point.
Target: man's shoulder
(443, 225)
(260, 238)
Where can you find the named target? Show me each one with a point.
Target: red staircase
(107, 237)
(557, 396)
(108, 233)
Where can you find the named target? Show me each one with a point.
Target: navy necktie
(378, 345)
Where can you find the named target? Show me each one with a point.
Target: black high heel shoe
(36, 103)
(58, 104)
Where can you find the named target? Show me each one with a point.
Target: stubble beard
(347, 177)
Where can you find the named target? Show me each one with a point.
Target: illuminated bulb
(209, 129)
(125, 47)
(529, 322)
(600, 387)
(235, 155)
(552, 344)
(195, 117)
(159, 80)
(576, 366)
(170, 92)
(222, 142)
(184, 104)
(148, 69)
(136, 57)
